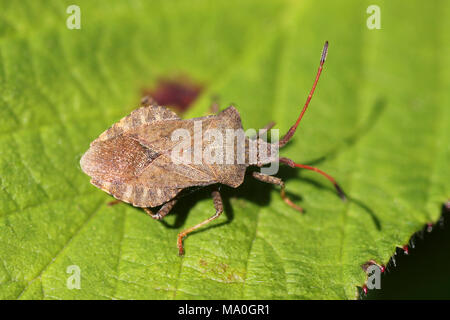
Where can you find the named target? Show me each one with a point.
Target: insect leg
(269, 126)
(147, 101)
(215, 107)
(292, 164)
(218, 204)
(113, 203)
(277, 181)
(266, 128)
(162, 212)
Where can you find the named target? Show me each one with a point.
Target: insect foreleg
(218, 204)
(214, 108)
(264, 130)
(277, 181)
(147, 101)
(162, 212)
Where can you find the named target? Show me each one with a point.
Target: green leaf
(378, 124)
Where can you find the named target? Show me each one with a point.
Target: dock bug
(133, 161)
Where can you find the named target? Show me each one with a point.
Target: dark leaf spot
(178, 93)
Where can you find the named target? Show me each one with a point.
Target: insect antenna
(292, 164)
(292, 130)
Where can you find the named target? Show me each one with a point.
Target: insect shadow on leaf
(252, 190)
(133, 160)
(377, 110)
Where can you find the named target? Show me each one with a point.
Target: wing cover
(132, 159)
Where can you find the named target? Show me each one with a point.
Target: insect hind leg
(218, 205)
(162, 212)
(277, 181)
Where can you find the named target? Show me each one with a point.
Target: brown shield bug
(133, 160)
